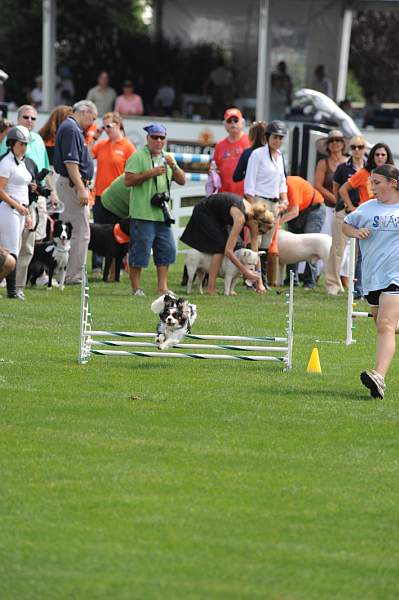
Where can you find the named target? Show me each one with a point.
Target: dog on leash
(52, 256)
(296, 247)
(112, 242)
(176, 316)
(198, 264)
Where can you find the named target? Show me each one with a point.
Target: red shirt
(226, 156)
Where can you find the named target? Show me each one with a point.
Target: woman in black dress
(207, 231)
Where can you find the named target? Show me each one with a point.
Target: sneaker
(138, 292)
(374, 382)
(17, 296)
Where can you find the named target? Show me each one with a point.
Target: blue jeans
(151, 235)
(314, 223)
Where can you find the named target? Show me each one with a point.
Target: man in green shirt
(149, 172)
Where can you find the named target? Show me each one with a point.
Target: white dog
(198, 263)
(296, 247)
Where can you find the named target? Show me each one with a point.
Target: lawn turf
(131, 478)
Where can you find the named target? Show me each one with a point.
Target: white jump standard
(89, 346)
(352, 314)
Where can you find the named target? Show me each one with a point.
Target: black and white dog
(177, 316)
(52, 256)
(107, 241)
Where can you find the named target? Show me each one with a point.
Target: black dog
(104, 243)
(52, 256)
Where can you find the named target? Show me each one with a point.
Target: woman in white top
(14, 198)
(265, 176)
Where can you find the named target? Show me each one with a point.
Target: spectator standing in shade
(321, 83)
(220, 86)
(35, 96)
(228, 151)
(73, 163)
(165, 97)
(50, 128)
(149, 173)
(111, 155)
(129, 103)
(102, 95)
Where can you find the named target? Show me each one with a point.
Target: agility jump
(352, 314)
(89, 346)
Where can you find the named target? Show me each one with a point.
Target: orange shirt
(360, 181)
(226, 156)
(111, 159)
(90, 133)
(301, 193)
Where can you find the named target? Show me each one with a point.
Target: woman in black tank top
(207, 231)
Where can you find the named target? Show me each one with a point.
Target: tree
(374, 53)
(96, 35)
(91, 35)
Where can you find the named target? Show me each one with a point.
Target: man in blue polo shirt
(73, 163)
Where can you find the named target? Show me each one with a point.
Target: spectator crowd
(108, 178)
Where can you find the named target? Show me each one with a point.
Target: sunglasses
(29, 118)
(382, 155)
(109, 126)
(277, 136)
(161, 138)
(357, 147)
(232, 120)
(337, 139)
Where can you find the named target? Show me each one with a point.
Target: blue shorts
(151, 235)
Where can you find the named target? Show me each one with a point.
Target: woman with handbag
(306, 214)
(334, 147)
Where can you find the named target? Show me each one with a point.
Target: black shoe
(374, 382)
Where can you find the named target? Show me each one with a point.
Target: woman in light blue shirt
(376, 225)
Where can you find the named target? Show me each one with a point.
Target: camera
(161, 201)
(41, 190)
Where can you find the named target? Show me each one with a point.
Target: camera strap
(166, 176)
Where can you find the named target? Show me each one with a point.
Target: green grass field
(132, 478)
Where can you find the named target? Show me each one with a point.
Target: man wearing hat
(228, 151)
(149, 173)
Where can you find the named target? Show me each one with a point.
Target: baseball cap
(154, 128)
(232, 112)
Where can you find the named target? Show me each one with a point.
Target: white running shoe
(138, 292)
(374, 382)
